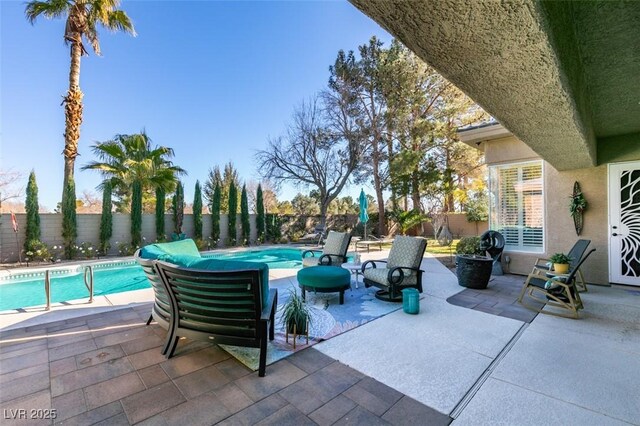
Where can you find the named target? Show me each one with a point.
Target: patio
(448, 363)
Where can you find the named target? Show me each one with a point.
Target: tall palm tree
(129, 159)
(83, 17)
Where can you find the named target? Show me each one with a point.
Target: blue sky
(213, 80)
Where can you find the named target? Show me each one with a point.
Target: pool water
(25, 290)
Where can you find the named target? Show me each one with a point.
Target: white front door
(624, 223)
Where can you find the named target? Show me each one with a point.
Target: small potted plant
(296, 316)
(473, 268)
(560, 263)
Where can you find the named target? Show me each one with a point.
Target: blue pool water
(25, 290)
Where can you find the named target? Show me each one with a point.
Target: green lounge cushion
(324, 277)
(161, 251)
(231, 265)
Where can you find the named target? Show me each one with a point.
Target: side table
(354, 268)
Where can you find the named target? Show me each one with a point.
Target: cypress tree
(69, 225)
(215, 214)
(32, 231)
(160, 200)
(178, 210)
(136, 213)
(197, 212)
(260, 224)
(233, 211)
(106, 220)
(244, 216)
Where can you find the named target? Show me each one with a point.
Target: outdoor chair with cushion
(575, 254)
(173, 251)
(558, 291)
(232, 307)
(402, 269)
(334, 252)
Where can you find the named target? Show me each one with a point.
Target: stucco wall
(559, 232)
(89, 230)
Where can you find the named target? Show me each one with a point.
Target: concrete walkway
(484, 369)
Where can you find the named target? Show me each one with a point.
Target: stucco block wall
(89, 230)
(559, 231)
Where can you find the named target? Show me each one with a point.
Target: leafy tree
(304, 205)
(177, 208)
(223, 179)
(197, 212)
(161, 197)
(285, 207)
(69, 225)
(215, 214)
(320, 150)
(233, 212)
(136, 213)
(82, 20)
(260, 224)
(244, 215)
(32, 230)
(106, 220)
(273, 231)
(129, 158)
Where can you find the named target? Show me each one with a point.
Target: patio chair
(334, 252)
(402, 269)
(554, 290)
(576, 253)
(160, 311)
(316, 236)
(374, 241)
(232, 307)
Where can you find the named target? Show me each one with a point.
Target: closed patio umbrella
(364, 216)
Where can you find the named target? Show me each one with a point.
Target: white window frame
(493, 169)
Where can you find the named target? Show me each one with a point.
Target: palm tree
(83, 16)
(129, 159)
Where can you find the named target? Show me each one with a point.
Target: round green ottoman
(324, 279)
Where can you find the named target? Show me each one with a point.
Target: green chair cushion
(324, 277)
(160, 251)
(232, 265)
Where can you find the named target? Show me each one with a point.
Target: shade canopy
(364, 205)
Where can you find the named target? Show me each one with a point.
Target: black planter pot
(473, 272)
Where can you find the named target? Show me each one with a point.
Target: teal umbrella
(363, 216)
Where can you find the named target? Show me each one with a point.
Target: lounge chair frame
(222, 307)
(325, 258)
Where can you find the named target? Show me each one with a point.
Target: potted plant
(560, 263)
(473, 268)
(296, 316)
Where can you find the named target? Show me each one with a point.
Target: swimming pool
(27, 289)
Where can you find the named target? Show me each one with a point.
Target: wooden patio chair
(558, 291)
(575, 254)
(231, 307)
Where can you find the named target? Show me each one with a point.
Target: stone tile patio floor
(107, 369)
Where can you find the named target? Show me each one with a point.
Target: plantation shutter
(517, 205)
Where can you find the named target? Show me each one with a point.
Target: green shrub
(37, 251)
(233, 211)
(260, 224)
(161, 196)
(32, 230)
(177, 208)
(69, 225)
(87, 250)
(470, 246)
(197, 212)
(244, 216)
(560, 258)
(106, 220)
(215, 214)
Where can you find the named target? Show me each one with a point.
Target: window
(516, 208)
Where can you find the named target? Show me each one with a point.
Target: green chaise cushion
(230, 265)
(161, 251)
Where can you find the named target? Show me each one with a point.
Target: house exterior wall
(559, 232)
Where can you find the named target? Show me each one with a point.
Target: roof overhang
(561, 76)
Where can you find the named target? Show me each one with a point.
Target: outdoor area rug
(329, 319)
